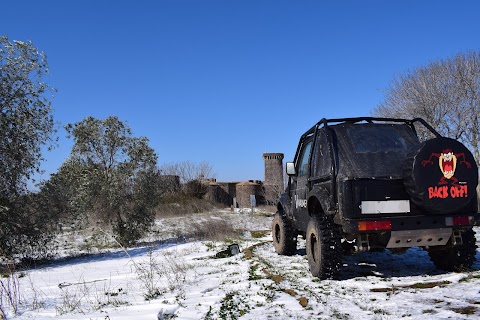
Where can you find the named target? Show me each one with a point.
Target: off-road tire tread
(287, 244)
(329, 238)
(456, 258)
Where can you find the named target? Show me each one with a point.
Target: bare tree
(445, 93)
(188, 171)
(271, 192)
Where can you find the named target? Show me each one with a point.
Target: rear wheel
(324, 249)
(284, 236)
(455, 258)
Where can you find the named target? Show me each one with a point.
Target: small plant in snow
(34, 300)
(148, 273)
(159, 274)
(84, 296)
(71, 299)
(10, 293)
(175, 271)
(233, 306)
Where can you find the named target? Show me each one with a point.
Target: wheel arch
(280, 208)
(314, 206)
(284, 206)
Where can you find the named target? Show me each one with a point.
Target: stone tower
(273, 176)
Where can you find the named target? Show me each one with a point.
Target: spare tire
(441, 176)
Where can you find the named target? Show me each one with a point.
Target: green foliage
(26, 126)
(27, 228)
(233, 306)
(114, 177)
(26, 119)
(58, 194)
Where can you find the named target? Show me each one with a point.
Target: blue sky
(225, 81)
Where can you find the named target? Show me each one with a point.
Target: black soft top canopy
(329, 122)
(368, 147)
(369, 150)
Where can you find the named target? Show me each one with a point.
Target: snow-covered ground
(184, 280)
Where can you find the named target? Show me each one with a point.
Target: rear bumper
(402, 223)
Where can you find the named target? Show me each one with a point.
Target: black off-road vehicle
(360, 184)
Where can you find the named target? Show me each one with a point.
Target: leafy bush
(26, 229)
(27, 128)
(118, 182)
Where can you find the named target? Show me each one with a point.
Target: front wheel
(324, 249)
(455, 258)
(284, 236)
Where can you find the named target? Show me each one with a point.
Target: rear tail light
(374, 225)
(459, 221)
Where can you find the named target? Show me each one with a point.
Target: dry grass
(303, 301)
(177, 205)
(212, 229)
(466, 310)
(420, 285)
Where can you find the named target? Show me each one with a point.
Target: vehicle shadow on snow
(385, 264)
(113, 254)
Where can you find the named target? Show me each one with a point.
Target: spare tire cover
(441, 176)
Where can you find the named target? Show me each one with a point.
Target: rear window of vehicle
(367, 139)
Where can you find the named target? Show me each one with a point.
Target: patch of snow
(186, 281)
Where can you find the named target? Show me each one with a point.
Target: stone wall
(265, 192)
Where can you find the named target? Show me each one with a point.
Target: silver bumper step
(419, 238)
